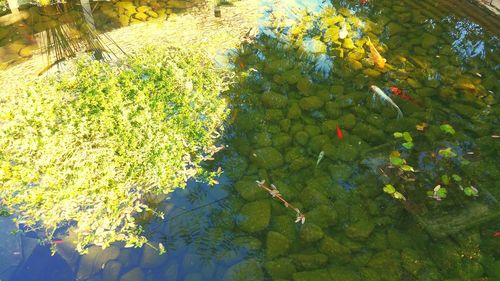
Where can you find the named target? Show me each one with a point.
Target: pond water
(306, 119)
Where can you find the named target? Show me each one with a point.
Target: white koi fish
(320, 157)
(386, 98)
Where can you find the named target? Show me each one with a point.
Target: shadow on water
(303, 119)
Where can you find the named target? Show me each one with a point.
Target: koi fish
(320, 157)
(57, 241)
(402, 95)
(363, 2)
(496, 234)
(377, 59)
(339, 133)
(386, 98)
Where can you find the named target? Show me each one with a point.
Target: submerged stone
(255, 216)
(347, 121)
(249, 190)
(111, 271)
(344, 273)
(316, 275)
(360, 230)
(95, 260)
(310, 232)
(276, 244)
(429, 40)
(311, 103)
(134, 274)
(248, 242)
(281, 268)
(267, 158)
(274, 100)
(247, 270)
(151, 258)
(309, 261)
(294, 111)
(333, 248)
(323, 216)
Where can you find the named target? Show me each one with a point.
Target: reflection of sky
(467, 44)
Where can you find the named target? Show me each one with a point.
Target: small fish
(404, 96)
(343, 32)
(496, 234)
(339, 133)
(383, 96)
(377, 59)
(57, 241)
(363, 2)
(320, 157)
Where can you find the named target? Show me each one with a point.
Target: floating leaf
(447, 129)
(445, 179)
(471, 191)
(456, 177)
(421, 126)
(398, 135)
(447, 153)
(396, 161)
(398, 195)
(441, 193)
(408, 145)
(407, 168)
(389, 188)
(407, 137)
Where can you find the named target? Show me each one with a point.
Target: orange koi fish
(339, 133)
(377, 59)
(496, 234)
(404, 96)
(363, 2)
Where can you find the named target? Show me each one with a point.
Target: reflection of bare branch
(276, 194)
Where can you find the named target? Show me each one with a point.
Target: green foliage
(447, 129)
(93, 146)
(437, 167)
(408, 144)
(389, 189)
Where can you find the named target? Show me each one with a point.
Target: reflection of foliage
(438, 169)
(92, 147)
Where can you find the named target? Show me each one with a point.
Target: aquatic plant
(274, 192)
(439, 167)
(91, 148)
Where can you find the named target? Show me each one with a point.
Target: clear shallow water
(292, 93)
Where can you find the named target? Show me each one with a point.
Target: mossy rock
(281, 268)
(249, 190)
(347, 152)
(301, 137)
(248, 242)
(304, 85)
(247, 270)
(388, 263)
(276, 245)
(255, 216)
(347, 121)
(310, 232)
(311, 103)
(309, 261)
(315, 275)
(322, 215)
(274, 100)
(341, 273)
(263, 139)
(360, 230)
(267, 158)
(333, 248)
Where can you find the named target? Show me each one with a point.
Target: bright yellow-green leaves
(90, 146)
